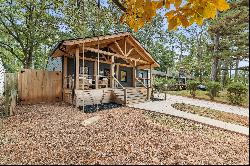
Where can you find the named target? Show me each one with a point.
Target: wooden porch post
(112, 71)
(134, 74)
(151, 77)
(77, 68)
(83, 74)
(65, 62)
(117, 71)
(82, 66)
(96, 75)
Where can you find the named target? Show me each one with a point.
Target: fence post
(148, 93)
(165, 95)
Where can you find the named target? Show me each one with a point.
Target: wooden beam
(92, 40)
(113, 54)
(117, 71)
(95, 74)
(77, 69)
(151, 79)
(119, 48)
(65, 63)
(83, 70)
(134, 75)
(112, 71)
(113, 49)
(129, 52)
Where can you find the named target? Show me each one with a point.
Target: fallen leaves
(53, 134)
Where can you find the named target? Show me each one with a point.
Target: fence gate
(36, 86)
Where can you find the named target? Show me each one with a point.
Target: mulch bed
(53, 134)
(212, 113)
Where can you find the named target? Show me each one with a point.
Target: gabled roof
(65, 47)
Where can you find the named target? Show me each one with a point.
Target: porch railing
(137, 79)
(88, 80)
(118, 83)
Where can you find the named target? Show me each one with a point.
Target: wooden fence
(36, 86)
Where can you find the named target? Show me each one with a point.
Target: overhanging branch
(118, 3)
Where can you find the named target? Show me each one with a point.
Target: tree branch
(119, 5)
(10, 49)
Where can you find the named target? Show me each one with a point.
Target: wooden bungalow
(111, 68)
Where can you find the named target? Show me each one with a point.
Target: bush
(159, 83)
(192, 86)
(213, 88)
(163, 84)
(236, 92)
(171, 84)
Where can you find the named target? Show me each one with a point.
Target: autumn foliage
(179, 12)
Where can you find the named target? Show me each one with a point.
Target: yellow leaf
(222, 5)
(172, 23)
(199, 20)
(167, 4)
(140, 22)
(177, 3)
(184, 20)
(170, 14)
(209, 11)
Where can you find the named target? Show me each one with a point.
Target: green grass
(212, 113)
(222, 98)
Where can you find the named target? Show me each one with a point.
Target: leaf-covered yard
(54, 134)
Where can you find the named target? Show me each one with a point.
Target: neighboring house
(1, 78)
(121, 73)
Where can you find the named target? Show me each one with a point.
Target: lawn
(222, 98)
(212, 113)
(55, 134)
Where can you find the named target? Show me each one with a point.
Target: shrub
(213, 88)
(236, 92)
(192, 86)
(162, 84)
(158, 83)
(171, 84)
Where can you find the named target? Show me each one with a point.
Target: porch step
(134, 95)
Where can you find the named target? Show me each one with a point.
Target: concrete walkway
(165, 107)
(203, 103)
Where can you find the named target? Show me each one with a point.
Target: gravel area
(54, 134)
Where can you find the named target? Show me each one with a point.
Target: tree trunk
(224, 73)
(214, 69)
(236, 70)
(28, 61)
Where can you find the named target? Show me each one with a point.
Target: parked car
(202, 87)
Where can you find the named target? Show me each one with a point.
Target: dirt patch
(212, 113)
(53, 134)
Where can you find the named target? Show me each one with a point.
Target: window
(140, 75)
(123, 76)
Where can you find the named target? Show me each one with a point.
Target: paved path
(203, 103)
(165, 107)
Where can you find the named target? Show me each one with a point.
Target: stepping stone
(90, 121)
